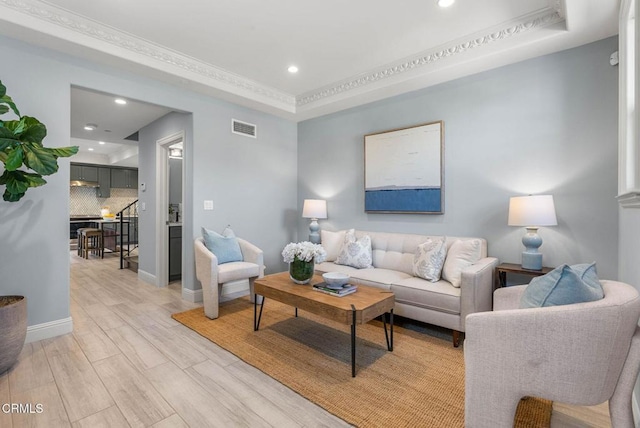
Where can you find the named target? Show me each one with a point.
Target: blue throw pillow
(563, 286)
(225, 247)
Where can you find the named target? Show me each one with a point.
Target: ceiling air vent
(243, 128)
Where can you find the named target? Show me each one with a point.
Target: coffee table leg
(353, 342)
(391, 328)
(256, 323)
(386, 335)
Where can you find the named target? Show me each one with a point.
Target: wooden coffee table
(358, 308)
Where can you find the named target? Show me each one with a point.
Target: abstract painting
(404, 170)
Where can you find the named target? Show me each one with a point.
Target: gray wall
(252, 182)
(147, 141)
(542, 126)
(175, 181)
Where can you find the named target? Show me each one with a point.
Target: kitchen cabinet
(122, 178)
(175, 253)
(83, 172)
(104, 183)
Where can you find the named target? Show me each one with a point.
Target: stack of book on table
(335, 291)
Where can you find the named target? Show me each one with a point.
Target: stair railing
(128, 218)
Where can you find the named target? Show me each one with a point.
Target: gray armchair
(581, 354)
(236, 277)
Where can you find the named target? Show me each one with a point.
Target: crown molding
(66, 25)
(164, 59)
(424, 60)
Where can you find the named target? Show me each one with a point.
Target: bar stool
(92, 241)
(79, 236)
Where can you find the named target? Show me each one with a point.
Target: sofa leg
(456, 338)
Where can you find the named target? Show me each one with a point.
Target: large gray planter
(13, 329)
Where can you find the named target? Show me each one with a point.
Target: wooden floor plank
(5, 398)
(209, 349)
(32, 369)
(108, 418)
(104, 317)
(140, 352)
(293, 404)
(97, 346)
(173, 421)
(82, 391)
(193, 403)
(134, 395)
(172, 346)
(239, 397)
(51, 414)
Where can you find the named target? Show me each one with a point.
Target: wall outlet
(208, 205)
(143, 206)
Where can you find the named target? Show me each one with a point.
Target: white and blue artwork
(403, 170)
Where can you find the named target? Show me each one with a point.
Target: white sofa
(438, 303)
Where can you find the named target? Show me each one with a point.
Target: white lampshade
(537, 210)
(314, 208)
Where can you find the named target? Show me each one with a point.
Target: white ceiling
(114, 122)
(348, 52)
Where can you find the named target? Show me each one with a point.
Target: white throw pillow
(429, 259)
(461, 255)
(332, 243)
(355, 252)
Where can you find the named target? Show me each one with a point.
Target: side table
(503, 269)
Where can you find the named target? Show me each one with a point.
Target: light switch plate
(208, 205)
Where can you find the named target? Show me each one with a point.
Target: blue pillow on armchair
(225, 247)
(563, 286)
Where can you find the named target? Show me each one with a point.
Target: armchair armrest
(207, 274)
(252, 254)
(476, 288)
(508, 297)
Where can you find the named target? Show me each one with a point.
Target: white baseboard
(636, 409)
(49, 329)
(193, 296)
(147, 277)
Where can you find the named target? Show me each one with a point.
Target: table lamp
(314, 209)
(532, 212)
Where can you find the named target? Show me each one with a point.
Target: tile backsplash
(83, 200)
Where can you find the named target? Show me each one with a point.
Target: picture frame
(404, 170)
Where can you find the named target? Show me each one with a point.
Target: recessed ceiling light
(90, 127)
(90, 149)
(120, 101)
(292, 69)
(445, 3)
(100, 142)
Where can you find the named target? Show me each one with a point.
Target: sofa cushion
(237, 270)
(333, 267)
(355, 252)
(225, 247)
(440, 295)
(429, 259)
(562, 286)
(332, 243)
(381, 278)
(460, 255)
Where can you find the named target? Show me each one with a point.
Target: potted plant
(25, 162)
(302, 257)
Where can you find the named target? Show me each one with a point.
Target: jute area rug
(419, 384)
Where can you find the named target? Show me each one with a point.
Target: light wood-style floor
(128, 364)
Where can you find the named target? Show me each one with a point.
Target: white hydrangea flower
(306, 251)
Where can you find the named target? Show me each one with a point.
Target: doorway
(170, 176)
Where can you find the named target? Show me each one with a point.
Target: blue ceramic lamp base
(314, 235)
(531, 257)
